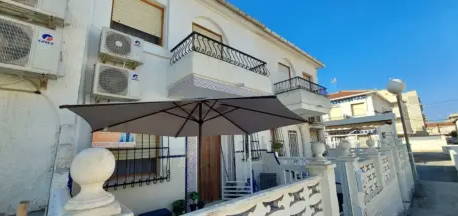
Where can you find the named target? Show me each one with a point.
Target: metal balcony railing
(299, 83)
(197, 42)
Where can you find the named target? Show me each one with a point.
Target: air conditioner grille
(32, 3)
(113, 81)
(118, 43)
(15, 43)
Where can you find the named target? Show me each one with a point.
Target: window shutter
(206, 32)
(358, 109)
(139, 14)
(335, 113)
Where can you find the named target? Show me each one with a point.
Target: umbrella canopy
(199, 117)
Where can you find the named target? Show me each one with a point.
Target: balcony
(303, 97)
(208, 68)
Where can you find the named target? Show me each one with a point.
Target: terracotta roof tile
(436, 124)
(346, 93)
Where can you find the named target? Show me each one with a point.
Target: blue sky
(364, 43)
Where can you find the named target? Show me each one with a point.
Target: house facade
(413, 112)
(440, 128)
(358, 116)
(146, 50)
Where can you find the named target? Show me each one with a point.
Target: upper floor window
(358, 109)
(139, 18)
(284, 70)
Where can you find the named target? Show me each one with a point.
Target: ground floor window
(293, 143)
(143, 162)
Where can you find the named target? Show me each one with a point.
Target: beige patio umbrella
(198, 117)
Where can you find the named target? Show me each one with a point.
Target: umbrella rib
(180, 116)
(181, 108)
(208, 111)
(223, 115)
(188, 118)
(263, 112)
(143, 116)
(232, 110)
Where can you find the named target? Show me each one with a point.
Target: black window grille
(256, 151)
(277, 138)
(293, 144)
(148, 162)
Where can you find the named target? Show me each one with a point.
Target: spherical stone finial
(370, 143)
(318, 148)
(395, 86)
(344, 147)
(90, 169)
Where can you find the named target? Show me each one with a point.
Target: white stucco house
(359, 116)
(85, 52)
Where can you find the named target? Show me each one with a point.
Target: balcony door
(210, 169)
(308, 77)
(215, 47)
(285, 71)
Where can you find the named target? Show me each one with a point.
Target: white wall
(39, 140)
(427, 143)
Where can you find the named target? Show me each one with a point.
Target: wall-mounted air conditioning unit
(28, 49)
(119, 47)
(116, 83)
(50, 7)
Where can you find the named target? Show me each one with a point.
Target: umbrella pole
(199, 160)
(186, 173)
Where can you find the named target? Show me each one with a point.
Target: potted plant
(179, 207)
(277, 146)
(194, 196)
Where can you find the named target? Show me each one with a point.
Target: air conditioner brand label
(46, 39)
(135, 77)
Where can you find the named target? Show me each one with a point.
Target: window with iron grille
(145, 163)
(277, 139)
(293, 144)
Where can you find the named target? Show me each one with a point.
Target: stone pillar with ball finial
(320, 166)
(90, 169)
(347, 166)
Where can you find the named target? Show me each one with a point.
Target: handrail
(196, 42)
(299, 83)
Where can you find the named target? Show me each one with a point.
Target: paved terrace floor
(437, 188)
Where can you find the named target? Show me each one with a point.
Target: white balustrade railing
(369, 179)
(387, 169)
(383, 178)
(300, 198)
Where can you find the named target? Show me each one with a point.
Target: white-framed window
(139, 18)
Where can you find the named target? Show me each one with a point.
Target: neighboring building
(453, 117)
(170, 49)
(413, 112)
(440, 128)
(356, 103)
(358, 116)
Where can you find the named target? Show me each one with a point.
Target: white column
(304, 129)
(347, 164)
(320, 166)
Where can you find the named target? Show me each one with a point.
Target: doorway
(210, 169)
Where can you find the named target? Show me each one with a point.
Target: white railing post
(347, 165)
(320, 166)
(90, 169)
(401, 173)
